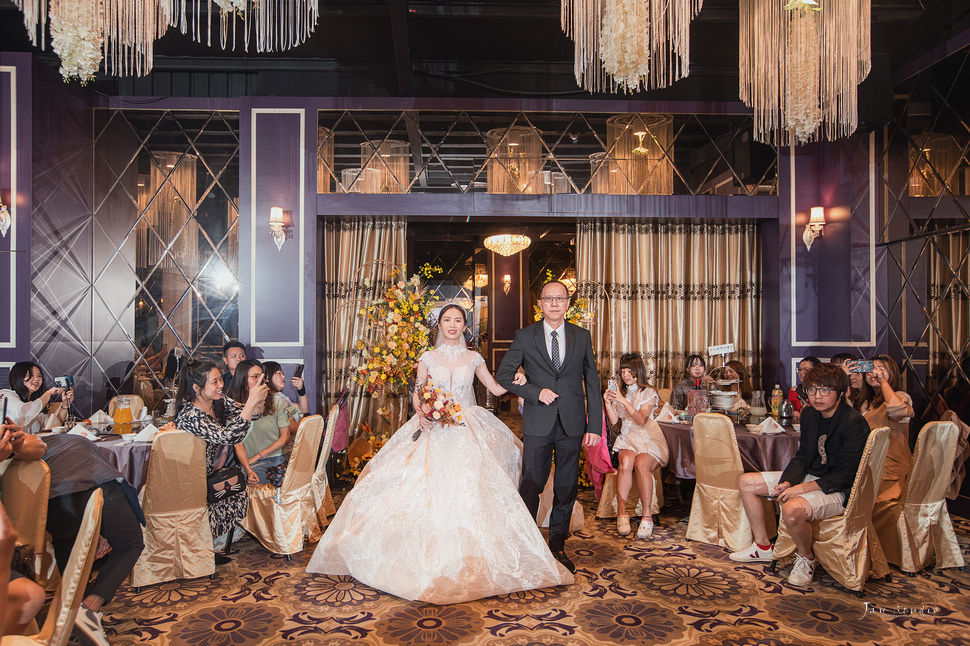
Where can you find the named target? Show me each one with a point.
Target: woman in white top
(641, 443)
(27, 399)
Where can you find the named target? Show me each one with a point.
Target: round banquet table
(758, 452)
(130, 458)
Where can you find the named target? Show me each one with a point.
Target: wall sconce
(278, 227)
(506, 283)
(4, 218)
(815, 226)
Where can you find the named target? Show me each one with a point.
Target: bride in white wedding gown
(439, 519)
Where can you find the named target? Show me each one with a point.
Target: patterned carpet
(628, 591)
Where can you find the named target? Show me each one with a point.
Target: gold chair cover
(608, 506)
(716, 513)
(137, 403)
(664, 395)
(74, 580)
(578, 518)
(961, 455)
(26, 491)
(178, 538)
(847, 545)
(916, 527)
(281, 517)
(324, 501)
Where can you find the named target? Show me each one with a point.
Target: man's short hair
(232, 344)
(554, 282)
(827, 375)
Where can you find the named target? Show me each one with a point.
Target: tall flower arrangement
(397, 336)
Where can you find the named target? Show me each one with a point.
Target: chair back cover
(26, 489)
(962, 453)
(321, 483)
(664, 394)
(74, 580)
(717, 515)
(280, 519)
(858, 509)
(178, 538)
(917, 527)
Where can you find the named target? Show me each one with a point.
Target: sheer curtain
(670, 290)
(347, 247)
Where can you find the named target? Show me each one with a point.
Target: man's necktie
(556, 360)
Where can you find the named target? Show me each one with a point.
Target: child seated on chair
(816, 483)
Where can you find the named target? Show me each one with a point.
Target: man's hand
(547, 396)
(591, 439)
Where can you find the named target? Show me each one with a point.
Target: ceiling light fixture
(507, 244)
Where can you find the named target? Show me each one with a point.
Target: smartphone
(299, 371)
(66, 382)
(611, 385)
(862, 366)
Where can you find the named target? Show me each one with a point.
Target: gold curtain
(674, 290)
(948, 301)
(348, 246)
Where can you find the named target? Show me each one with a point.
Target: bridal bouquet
(442, 405)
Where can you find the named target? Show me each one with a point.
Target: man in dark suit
(562, 403)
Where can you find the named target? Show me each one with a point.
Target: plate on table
(753, 427)
(59, 430)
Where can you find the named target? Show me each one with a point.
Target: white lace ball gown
(440, 519)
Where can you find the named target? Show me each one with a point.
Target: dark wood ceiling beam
(402, 46)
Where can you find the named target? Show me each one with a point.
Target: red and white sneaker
(753, 554)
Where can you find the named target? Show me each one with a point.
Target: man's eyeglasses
(555, 299)
(821, 390)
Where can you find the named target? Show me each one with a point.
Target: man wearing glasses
(816, 483)
(562, 406)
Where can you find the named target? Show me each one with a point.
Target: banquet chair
(280, 517)
(67, 599)
(716, 514)
(137, 403)
(577, 520)
(178, 538)
(916, 527)
(608, 505)
(664, 395)
(323, 503)
(26, 489)
(847, 545)
(961, 455)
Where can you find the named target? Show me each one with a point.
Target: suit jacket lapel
(540, 337)
(570, 336)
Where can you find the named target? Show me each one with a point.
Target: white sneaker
(89, 623)
(645, 530)
(753, 554)
(802, 572)
(623, 525)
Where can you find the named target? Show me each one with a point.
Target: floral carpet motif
(664, 590)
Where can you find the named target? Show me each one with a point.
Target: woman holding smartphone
(27, 401)
(641, 444)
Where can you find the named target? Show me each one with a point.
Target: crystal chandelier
(629, 44)
(507, 244)
(800, 67)
(122, 33)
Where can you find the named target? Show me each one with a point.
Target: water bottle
(777, 397)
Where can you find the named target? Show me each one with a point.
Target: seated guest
(249, 372)
(270, 433)
(232, 353)
(641, 444)
(24, 598)
(797, 396)
(277, 382)
(886, 405)
(736, 370)
(28, 401)
(816, 483)
(221, 422)
(696, 379)
(77, 468)
(859, 393)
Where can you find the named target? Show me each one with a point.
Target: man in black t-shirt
(816, 483)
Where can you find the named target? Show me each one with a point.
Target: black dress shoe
(562, 558)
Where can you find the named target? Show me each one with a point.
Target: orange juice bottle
(122, 417)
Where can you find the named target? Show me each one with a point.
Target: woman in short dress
(641, 444)
(221, 422)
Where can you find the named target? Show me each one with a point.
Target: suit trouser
(119, 526)
(537, 452)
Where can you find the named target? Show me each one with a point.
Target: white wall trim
(12, 207)
(794, 239)
(299, 221)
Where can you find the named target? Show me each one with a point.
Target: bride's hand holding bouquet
(437, 406)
